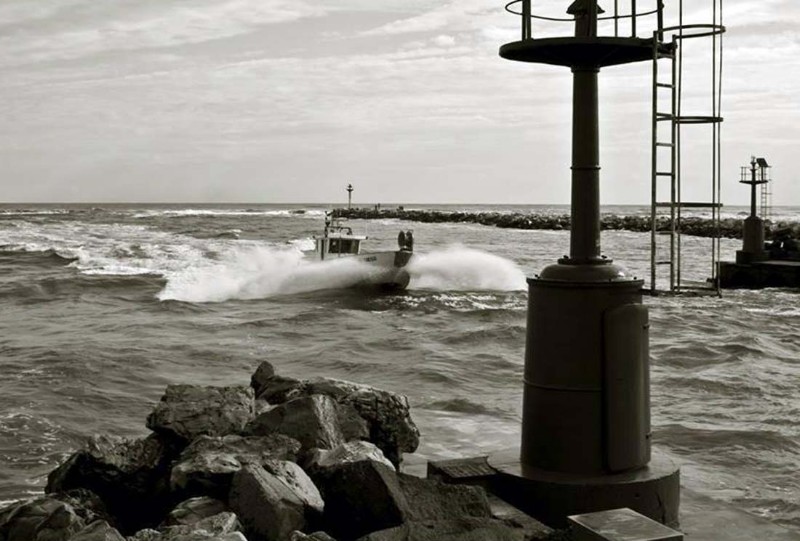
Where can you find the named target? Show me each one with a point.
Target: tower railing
(615, 18)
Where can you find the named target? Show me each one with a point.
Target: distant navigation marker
(349, 195)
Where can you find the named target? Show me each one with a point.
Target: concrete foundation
(701, 518)
(759, 274)
(653, 491)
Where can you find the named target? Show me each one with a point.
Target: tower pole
(585, 211)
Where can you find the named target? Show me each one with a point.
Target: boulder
(130, 476)
(316, 421)
(275, 500)
(360, 497)
(222, 526)
(194, 510)
(351, 451)
(273, 388)
(207, 465)
(316, 536)
(188, 411)
(387, 414)
(99, 530)
(263, 374)
(462, 529)
(429, 499)
(41, 519)
(367, 495)
(86, 504)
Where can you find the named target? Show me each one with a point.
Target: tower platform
(589, 51)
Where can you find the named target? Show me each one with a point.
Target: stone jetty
(280, 459)
(699, 227)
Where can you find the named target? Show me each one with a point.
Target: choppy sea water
(105, 306)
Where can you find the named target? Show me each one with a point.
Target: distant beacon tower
(753, 230)
(349, 195)
(586, 440)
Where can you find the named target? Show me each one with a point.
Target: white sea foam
(457, 268)
(261, 272)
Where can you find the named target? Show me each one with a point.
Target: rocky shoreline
(699, 227)
(281, 459)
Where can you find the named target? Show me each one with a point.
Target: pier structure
(758, 264)
(586, 437)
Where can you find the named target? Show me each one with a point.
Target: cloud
(92, 28)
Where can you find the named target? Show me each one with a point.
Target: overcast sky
(289, 100)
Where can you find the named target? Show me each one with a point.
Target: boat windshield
(343, 246)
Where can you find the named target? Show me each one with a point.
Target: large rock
(188, 411)
(360, 497)
(222, 526)
(275, 500)
(348, 452)
(99, 530)
(316, 536)
(387, 414)
(367, 495)
(194, 510)
(462, 529)
(130, 476)
(86, 504)
(207, 465)
(429, 499)
(42, 519)
(316, 421)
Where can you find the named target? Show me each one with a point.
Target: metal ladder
(662, 172)
(666, 166)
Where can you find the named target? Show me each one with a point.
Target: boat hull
(387, 269)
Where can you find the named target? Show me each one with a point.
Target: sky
(277, 101)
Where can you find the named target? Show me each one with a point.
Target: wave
(261, 272)
(45, 258)
(457, 268)
(460, 405)
(227, 213)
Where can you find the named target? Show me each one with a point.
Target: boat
(387, 268)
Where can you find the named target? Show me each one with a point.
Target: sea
(105, 305)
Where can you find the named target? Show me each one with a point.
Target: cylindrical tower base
(752, 241)
(586, 398)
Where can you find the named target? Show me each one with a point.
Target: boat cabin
(338, 241)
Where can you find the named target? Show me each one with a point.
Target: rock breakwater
(694, 226)
(281, 459)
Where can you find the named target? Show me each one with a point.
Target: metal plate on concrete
(620, 525)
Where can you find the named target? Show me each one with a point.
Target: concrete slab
(619, 525)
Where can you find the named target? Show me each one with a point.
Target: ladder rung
(665, 144)
(663, 262)
(665, 85)
(663, 174)
(664, 116)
